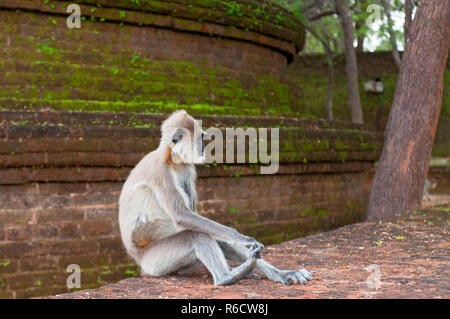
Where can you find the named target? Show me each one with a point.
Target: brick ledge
(412, 253)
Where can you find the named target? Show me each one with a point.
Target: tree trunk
(359, 39)
(395, 54)
(351, 66)
(330, 88)
(360, 45)
(408, 18)
(398, 184)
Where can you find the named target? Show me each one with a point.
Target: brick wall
(309, 72)
(141, 61)
(61, 174)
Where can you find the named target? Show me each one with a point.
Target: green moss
(139, 80)
(340, 145)
(5, 263)
(275, 239)
(312, 211)
(343, 156)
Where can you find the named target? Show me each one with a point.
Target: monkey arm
(172, 202)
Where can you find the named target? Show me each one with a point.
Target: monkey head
(182, 137)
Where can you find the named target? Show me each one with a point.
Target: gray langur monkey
(160, 227)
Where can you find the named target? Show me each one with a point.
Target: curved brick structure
(61, 174)
(228, 57)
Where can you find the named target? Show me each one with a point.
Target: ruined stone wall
(309, 73)
(61, 174)
(207, 56)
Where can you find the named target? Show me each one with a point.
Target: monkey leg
(183, 249)
(209, 253)
(195, 267)
(168, 255)
(287, 277)
(146, 233)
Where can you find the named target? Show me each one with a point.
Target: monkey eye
(175, 140)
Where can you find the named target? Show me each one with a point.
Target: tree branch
(408, 17)
(319, 14)
(395, 54)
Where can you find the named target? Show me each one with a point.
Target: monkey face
(183, 135)
(187, 147)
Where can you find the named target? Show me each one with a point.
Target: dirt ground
(402, 258)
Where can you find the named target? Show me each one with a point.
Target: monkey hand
(255, 251)
(254, 245)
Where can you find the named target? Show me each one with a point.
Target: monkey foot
(289, 277)
(241, 271)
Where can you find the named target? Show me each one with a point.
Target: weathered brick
(43, 280)
(29, 232)
(111, 245)
(69, 230)
(96, 228)
(120, 256)
(46, 231)
(40, 291)
(38, 263)
(59, 214)
(8, 265)
(110, 212)
(14, 215)
(71, 247)
(6, 294)
(85, 261)
(19, 233)
(15, 249)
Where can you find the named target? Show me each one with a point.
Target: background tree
(393, 37)
(323, 36)
(412, 123)
(409, 6)
(326, 34)
(351, 63)
(360, 15)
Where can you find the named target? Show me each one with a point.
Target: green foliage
(328, 27)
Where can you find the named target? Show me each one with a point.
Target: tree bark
(408, 18)
(359, 39)
(330, 56)
(395, 54)
(329, 106)
(398, 184)
(351, 66)
(360, 45)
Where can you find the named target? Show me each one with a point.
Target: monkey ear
(178, 135)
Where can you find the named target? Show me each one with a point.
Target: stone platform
(412, 254)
